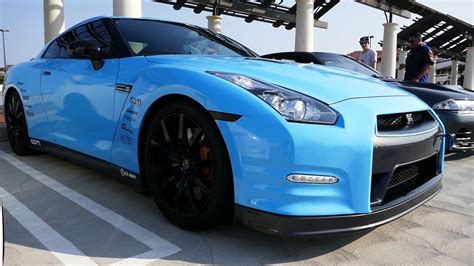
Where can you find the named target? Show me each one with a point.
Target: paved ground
(57, 212)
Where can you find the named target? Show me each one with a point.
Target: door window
(95, 32)
(53, 50)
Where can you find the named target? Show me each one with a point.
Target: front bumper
(285, 225)
(353, 150)
(462, 125)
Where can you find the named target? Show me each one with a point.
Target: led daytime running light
(312, 179)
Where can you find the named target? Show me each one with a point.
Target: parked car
(215, 132)
(445, 79)
(454, 105)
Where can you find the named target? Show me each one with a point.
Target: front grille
(396, 165)
(399, 121)
(408, 177)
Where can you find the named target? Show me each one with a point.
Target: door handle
(47, 73)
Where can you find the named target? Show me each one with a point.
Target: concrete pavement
(57, 212)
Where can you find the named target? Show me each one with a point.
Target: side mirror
(84, 49)
(87, 49)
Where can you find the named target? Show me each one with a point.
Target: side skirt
(130, 177)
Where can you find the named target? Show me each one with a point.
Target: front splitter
(300, 226)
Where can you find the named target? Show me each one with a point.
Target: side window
(95, 32)
(63, 43)
(52, 51)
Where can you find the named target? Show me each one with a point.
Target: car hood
(432, 93)
(451, 92)
(327, 84)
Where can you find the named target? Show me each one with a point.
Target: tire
(17, 130)
(187, 167)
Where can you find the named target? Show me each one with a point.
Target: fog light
(312, 179)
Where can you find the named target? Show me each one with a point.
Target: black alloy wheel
(187, 167)
(17, 130)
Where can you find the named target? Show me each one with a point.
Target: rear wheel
(187, 167)
(17, 130)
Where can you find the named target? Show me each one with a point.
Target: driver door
(80, 99)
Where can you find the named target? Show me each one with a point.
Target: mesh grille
(403, 174)
(401, 120)
(406, 178)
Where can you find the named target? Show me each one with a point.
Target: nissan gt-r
(215, 133)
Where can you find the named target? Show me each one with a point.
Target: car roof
(96, 18)
(122, 17)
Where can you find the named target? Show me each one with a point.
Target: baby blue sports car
(215, 133)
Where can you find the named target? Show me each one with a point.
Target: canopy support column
(214, 23)
(454, 72)
(127, 8)
(468, 69)
(53, 11)
(389, 49)
(304, 26)
(402, 57)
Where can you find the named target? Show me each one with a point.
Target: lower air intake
(408, 177)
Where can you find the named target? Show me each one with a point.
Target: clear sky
(348, 21)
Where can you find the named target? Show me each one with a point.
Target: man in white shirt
(367, 56)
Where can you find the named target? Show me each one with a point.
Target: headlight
(455, 105)
(291, 105)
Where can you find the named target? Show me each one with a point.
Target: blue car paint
(268, 153)
(290, 75)
(265, 156)
(263, 147)
(81, 101)
(160, 80)
(25, 82)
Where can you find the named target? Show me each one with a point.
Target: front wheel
(187, 167)
(17, 130)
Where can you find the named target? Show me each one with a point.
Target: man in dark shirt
(419, 59)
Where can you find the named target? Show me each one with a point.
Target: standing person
(367, 56)
(419, 59)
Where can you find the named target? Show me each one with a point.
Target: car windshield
(148, 37)
(344, 62)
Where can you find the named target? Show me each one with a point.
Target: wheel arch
(6, 93)
(9, 90)
(146, 122)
